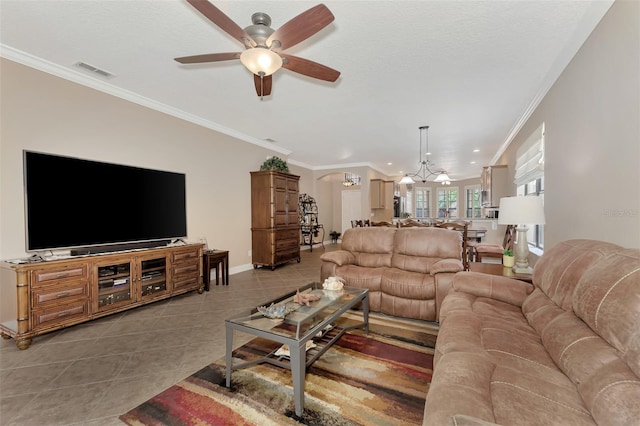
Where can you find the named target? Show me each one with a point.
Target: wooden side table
(498, 269)
(218, 259)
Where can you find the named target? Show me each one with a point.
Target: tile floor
(91, 373)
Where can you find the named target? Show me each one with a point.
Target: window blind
(530, 158)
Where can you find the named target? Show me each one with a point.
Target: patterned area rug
(376, 379)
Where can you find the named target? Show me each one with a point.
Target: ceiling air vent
(92, 69)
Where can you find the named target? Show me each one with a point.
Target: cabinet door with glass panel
(114, 283)
(151, 273)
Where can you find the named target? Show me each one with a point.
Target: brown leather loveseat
(565, 351)
(408, 271)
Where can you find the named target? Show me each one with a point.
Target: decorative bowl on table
(279, 310)
(333, 294)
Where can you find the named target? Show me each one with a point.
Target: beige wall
(41, 112)
(592, 141)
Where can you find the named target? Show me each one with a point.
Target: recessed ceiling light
(389, 164)
(473, 162)
(476, 150)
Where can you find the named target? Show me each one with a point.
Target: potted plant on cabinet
(275, 163)
(507, 258)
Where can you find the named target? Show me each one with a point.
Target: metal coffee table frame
(308, 322)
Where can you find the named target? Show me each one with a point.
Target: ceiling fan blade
(301, 27)
(209, 57)
(263, 85)
(225, 23)
(309, 68)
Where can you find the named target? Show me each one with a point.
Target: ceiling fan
(263, 45)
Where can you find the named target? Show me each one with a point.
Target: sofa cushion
(408, 294)
(418, 249)
(362, 277)
(608, 300)
(372, 248)
(557, 272)
(460, 386)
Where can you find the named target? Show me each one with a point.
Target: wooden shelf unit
(275, 227)
(41, 297)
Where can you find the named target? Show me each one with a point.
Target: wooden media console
(41, 297)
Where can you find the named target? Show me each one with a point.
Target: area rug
(374, 379)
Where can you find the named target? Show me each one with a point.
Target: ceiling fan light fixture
(261, 61)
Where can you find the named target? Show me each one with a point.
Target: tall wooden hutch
(275, 229)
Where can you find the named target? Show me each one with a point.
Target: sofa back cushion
(417, 249)
(558, 271)
(371, 246)
(595, 341)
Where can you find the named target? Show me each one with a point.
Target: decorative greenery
(275, 163)
(507, 252)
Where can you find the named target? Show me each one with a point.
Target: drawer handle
(63, 275)
(64, 314)
(63, 294)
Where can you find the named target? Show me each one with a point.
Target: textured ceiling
(471, 70)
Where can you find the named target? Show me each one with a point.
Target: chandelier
(350, 180)
(425, 171)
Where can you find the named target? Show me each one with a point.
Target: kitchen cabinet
(381, 194)
(495, 185)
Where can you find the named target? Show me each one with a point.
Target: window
(473, 201)
(409, 202)
(529, 177)
(530, 158)
(447, 202)
(535, 235)
(422, 196)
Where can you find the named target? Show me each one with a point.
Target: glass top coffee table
(300, 327)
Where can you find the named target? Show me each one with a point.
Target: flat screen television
(75, 203)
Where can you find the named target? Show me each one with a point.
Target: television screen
(73, 203)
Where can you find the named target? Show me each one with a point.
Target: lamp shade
(407, 180)
(442, 177)
(527, 210)
(261, 60)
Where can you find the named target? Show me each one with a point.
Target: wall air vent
(90, 68)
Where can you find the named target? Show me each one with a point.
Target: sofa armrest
(339, 257)
(446, 265)
(504, 289)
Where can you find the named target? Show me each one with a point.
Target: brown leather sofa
(565, 351)
(408, 271)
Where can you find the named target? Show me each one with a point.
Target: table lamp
(521, 211)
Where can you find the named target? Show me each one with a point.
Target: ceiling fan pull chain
(261, 86)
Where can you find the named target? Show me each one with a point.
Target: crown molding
(79, 77)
